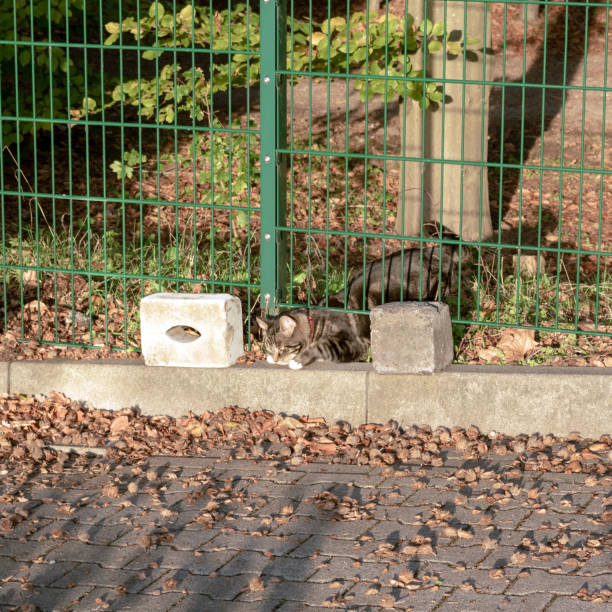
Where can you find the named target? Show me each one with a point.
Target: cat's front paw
(295, 365)
(270, 359)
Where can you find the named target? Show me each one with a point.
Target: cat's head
(282, 338)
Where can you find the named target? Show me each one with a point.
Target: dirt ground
(559, 128)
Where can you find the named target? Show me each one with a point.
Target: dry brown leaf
(119, 424)
(516, 344)
(518, 557)
(169, 584)
(489, 354)
(111, 491)
(256, 584)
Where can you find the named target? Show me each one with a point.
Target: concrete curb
(509, 399)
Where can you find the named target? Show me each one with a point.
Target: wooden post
(457, 194)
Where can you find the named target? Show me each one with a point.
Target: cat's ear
(287, 324)
(263, 324)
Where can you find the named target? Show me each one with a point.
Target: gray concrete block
(4, 377)
(411, 337)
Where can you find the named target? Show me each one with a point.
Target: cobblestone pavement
(210, 533)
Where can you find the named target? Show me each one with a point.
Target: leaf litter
(35, 431)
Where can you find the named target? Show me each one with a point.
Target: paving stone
(573, 604)
(45, 574)
(113, 557)
(393, 531)
(166, 558)
(26, 528)
(556, 520)
(598, 564)
(343, 568)
(287, 568)
(277, 545)
(203, 603)
(569, 503)
(371, 594)
(71, 530)
(327, 545)
(301, 508)
(57, 494)
(575, 539)
(401, 513)
(43, 598)
(575, 482)
(94, 512)
(429, 496)
(10, 567)
(313, 594)
(471, 579)
(300, 606)
(391, 498)
(471, 556)
(94, 575)
(192, 539)
(511, 518)
(25, 551)
(103, 598)
(540, 581)
(165, 461)
(217, 587)
(323, 466)
(343, 530)
(359, 480)
(462, 601)
(295, 492)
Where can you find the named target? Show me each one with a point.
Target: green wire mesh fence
(275, 150)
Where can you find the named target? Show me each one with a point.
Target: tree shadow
(526, 107)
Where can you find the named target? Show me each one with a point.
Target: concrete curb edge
(508, 399)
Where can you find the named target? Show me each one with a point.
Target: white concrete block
(192, 330)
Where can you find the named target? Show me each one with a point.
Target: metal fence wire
(275, 150)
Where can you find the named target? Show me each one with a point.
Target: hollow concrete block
(411, 337)
(192, 330)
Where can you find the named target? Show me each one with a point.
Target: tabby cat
(301, 336)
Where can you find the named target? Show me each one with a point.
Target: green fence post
(273, 102)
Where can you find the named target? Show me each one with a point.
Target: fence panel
(130, 162)
(138, 140)
(483, 122)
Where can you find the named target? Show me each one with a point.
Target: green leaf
(157, 8)
(241, 218)
(186, 15)
(112, 27)
(149, 54)
(426, 27)
(317, 37)
(438, 29)
(433, 46)
(471, 42)
(299, 278)
(111, 39)
(89, 105)
(453, 48)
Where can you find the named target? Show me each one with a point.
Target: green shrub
(37, 80)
